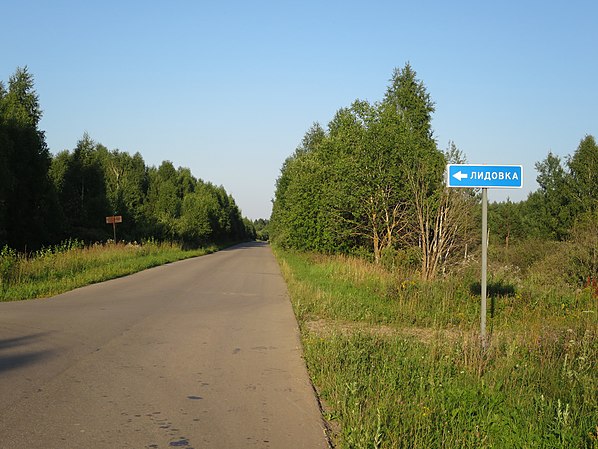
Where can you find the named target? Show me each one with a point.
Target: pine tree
(27, 200)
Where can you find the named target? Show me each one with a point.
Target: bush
(9, 263)
(522, 255)
(584, 249)
(406, 259)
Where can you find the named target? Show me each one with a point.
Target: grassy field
(71, 265)
(398, 363)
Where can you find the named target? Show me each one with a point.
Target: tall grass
(70, 265)
(398, 362)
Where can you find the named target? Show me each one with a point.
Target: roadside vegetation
(60, 268)
(397, 361)
(383, 266)
(54, 209)
(48, 198)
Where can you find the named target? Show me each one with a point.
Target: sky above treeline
(228, 89)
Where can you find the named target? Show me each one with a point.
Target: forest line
(372, 184)
(45, 198)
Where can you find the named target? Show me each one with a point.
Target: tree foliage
(583, 175)
(371, 182)
(27, 201)
(45, 199)
(568, 190)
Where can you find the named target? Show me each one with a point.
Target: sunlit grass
(71, 265)
(398, 363)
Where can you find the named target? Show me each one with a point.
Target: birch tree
(444, 217)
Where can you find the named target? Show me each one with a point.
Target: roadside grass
(397, 362)
(70, 265)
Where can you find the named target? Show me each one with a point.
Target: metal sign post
(484, 266)
(484, 177)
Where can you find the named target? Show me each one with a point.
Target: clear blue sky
(228, 89)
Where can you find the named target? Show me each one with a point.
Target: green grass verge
(59, 269)
(398, 364)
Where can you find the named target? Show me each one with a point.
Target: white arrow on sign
(459, 176)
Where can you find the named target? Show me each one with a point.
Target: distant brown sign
(114, 219)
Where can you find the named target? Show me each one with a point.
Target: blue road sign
(484, 176)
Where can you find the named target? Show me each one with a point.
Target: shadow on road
(14, 352)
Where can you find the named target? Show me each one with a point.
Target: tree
(567, 191)
(408, 97)
(373, 180)
(369, 196)
(208, 213)
(6, 177)
(557, 198)
(583, 167)
(164, 200)
(299, 217)
(45, 199)
(198, 217)
(250, 230)
(297, 213)
(185, 181)
(27, 200)
(127, 182)
(79, 179)
(262, 229)
(444, 217)
(506, 221)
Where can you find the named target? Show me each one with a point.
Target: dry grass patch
(325, 328)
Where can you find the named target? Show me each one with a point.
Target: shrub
(8, 267)
(584, 249)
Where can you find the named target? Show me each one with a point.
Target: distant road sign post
(484, 177)
(113, 219)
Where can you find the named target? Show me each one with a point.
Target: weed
(398, 362)
(8, 266)
(69, 265)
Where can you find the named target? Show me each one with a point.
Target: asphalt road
(202, 353)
